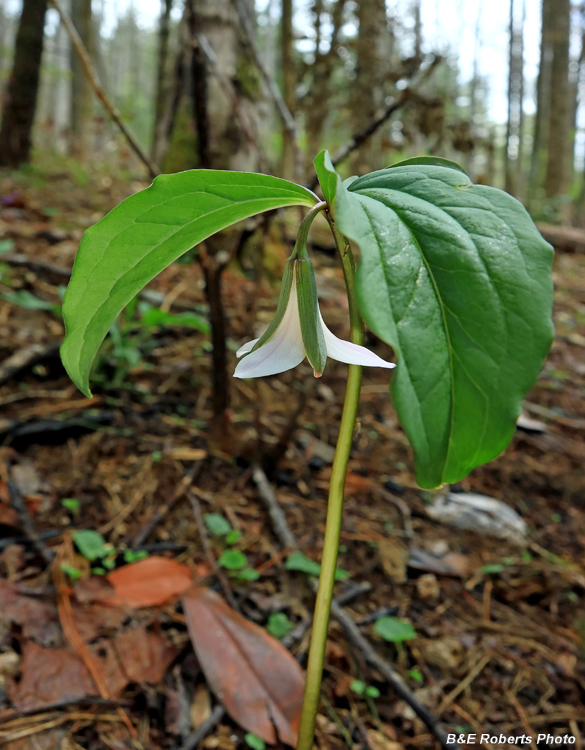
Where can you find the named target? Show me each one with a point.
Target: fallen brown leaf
(394, 556)
(148, 583)
(37, 619)
(253, 675)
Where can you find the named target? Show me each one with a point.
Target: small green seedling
(233, 559)
(360, 688)
(132, 556)
(217, 524)
(279, 625)
(73, 573)
(255, 742)
(416, 675)
(394, 629)
(71, 504)
(92, 545)
(304, 564)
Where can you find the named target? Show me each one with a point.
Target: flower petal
(246, 348)
(351, 354)
(283, 350)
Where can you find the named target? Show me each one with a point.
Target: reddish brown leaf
(149, 582)
(38, 619)
(53, 675)
(253, 675)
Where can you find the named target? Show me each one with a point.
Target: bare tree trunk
(417, 30)
(556, 180)
(542, 118)
(161, 76)
(514, 129)
(81, 94)
(21, 99)
(287, 168)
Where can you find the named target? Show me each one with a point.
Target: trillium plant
(454, 276)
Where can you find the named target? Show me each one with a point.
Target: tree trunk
(514, 129)
(556, 181)
(161, 75)
(21, 98)
(81, 93)
(542, 117)
(287, 167)
(368, 93)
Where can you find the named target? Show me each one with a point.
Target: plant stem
(334, 508)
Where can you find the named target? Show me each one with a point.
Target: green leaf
(91, 544)
(132, 556)
(302, 563)
(357, 686)
(6, 246)
(28, 301)
(156, 317)
(416, 675)
(428, 161)
(233, 559)
(279, 625)
(327, 176)
(372, 691)
(394, 629)
(248, 574)
(217, 524)
(71, 504)
(72, 572)
(457, 279)
(233, 536)
(492, 568)
(255, 742)
(147, 232)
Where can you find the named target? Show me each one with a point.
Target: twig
(17, 502)
(180, 490)
(402, 507)
(298, 632)
(196, 505)
(204, 729)
(27, 541)
(286, 538)
(26, 357)
(19, 260)
(473, 673)
(99, 91)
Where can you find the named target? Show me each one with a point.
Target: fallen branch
(99, 90)
(286, 538)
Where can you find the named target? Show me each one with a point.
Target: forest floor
(499, 624)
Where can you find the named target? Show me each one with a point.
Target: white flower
(298, 331)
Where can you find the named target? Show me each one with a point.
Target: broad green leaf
(394, 629)
(143, 235)
(157, 317)
(327, 176)
(428, 161)
(457, 279)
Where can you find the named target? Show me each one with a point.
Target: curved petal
(246, 348)
(351, 354)
(283, 350)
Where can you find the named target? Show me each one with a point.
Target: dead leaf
(37, 619)
(428, 586)
(201, 706)
(55, 675)
(379, 741)
(394, 556)
(445, 653)
(253, 675)
(149, 582)
(49, 675)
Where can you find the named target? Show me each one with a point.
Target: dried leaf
(201, 706)
(252, 674)
(38, 619)
(394, 556)
(379, 741)
(149, 582)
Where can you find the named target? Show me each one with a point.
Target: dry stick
(196, 505)
(182, 487)
(17, 502)
(352, 632)
(99, 91)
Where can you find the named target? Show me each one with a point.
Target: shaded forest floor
(499, 625)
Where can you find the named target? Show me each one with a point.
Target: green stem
(334, 508)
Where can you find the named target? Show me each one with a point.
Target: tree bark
(19, 110)
(287, 166)
(556, 181)
(542, 117)
(81, 93)
(514, 129)
(161, 75)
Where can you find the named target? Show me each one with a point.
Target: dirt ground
(499, 623)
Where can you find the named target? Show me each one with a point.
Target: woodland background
(449, 618)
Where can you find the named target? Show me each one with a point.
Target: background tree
(21, 97)
(81, 93)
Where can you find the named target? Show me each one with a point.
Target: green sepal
(285, 287)
(311, 328)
